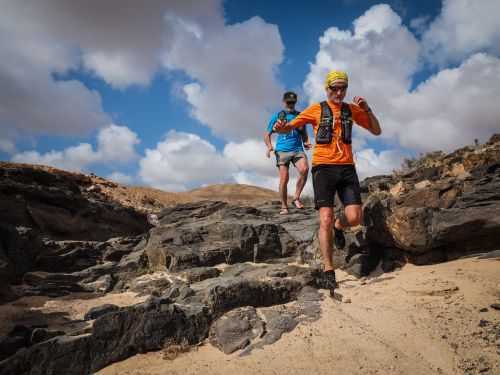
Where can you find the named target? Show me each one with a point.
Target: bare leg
(303, 169)
(325, 236)
(283, 185)
(353, 215)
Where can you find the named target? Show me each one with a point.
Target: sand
(418, 320)
(58, 313)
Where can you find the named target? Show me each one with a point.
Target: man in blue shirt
(289, 149)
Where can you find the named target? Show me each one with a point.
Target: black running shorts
(340, 178)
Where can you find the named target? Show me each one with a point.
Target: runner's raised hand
(361, 102)
(279, 125)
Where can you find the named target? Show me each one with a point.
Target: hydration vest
(302, 130)
(324, 135)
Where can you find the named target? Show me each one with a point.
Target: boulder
(215, 237)
(236, 329)
(57, 204)
(98, 311)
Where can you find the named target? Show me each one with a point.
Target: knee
(284, 179)
(354, 218)
(304, 172)
(326, 222)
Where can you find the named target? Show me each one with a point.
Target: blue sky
(195, 86)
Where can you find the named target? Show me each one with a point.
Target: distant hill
(148, 199)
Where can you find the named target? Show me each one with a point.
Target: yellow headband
(335, 75)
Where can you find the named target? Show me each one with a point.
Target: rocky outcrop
(220, 234)
(178, 263)
(165, 320)
(62, 205)
(43, 210)
(432, 213)
(239, 276)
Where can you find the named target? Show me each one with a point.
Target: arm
(368, 119)
(269, 144)
(267, 135)
(374, 124)
(308, 116)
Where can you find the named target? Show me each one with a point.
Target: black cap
(290, 96)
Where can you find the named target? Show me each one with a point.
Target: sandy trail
(58, 313)
(419, 320)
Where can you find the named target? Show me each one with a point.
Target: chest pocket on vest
(324, 135)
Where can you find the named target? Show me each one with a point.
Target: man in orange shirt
(332, 162)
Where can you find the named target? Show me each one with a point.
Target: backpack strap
(324, 134)
(282, 116)
(326, 114)
(346, 121)
(302, 131)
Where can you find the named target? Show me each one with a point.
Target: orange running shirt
(336, 152)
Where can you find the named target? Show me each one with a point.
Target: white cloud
(32, 102)
(250, 155)
(378, 19)
(182, 160)
(380, 57)
(464, 27)
(420, 24)
(452, 108)
(250, 178)
(448, 110)
(234, 68)
(254, 168)
(80, 157)
(120, 41)
(74, 158)
(272, 183)
(371, 163)
(117, 143)
(121, 178)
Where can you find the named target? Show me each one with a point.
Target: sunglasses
(290, 102)
(337, 88)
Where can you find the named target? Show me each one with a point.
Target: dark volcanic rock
(146, 285)
(52, 284)
(42, 334)
(211, 267)
(69, 256)
(10, 345)
(178, 291)
(58, 204)
(236, 329)
(20, 247)
(470, 224)
(17, 338)
(358, 258)
(193, 275)
(149, 326)
(216, 237)
(96, 312)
